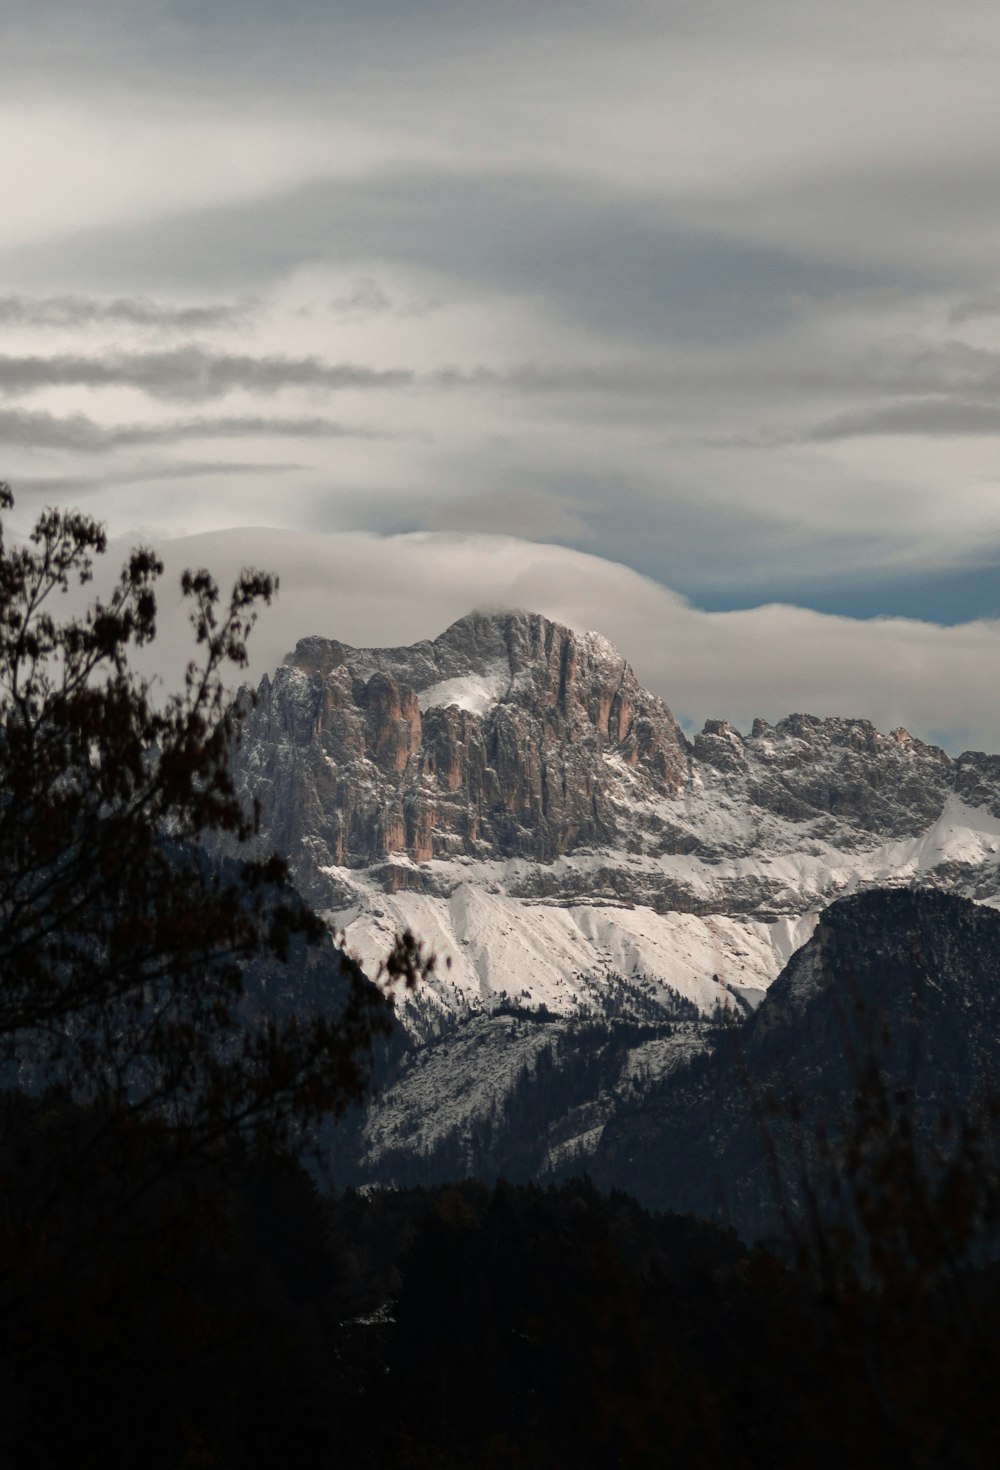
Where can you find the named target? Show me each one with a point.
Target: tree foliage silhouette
(175, 1022)
(126, 1023)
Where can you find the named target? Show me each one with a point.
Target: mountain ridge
(510, 792)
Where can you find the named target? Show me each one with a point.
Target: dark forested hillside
(888, 1018)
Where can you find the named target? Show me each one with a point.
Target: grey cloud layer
(668, 259)
(194, 372)
(617, 260)
(32, 488)
(190, 373)
(974, 308)
(934, 417)
(306, 42)
(78, 432)
(132, 311)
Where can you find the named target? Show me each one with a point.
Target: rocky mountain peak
(506, 736)
(523, 656)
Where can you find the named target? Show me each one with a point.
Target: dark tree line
(470, 1326)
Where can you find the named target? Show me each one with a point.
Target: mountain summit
(507, 736)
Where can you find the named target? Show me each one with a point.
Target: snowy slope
(539, 953)
(550, 951)
(448, 1087)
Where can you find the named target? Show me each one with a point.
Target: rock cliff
(508, 736)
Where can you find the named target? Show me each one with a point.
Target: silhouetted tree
(122, 947)
(139, 1050)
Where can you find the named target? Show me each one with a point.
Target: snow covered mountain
(510, 793)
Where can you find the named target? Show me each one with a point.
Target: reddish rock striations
(350, 769)
(393, 721)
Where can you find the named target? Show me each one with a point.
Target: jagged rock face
(805, 768)
(510, 793)
(508, 736)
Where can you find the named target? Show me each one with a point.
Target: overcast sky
(692, 309)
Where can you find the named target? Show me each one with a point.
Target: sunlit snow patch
(476, 693)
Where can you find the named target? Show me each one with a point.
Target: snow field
(540, 954)
(542, 951)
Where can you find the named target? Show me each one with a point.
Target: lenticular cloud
(766, 661)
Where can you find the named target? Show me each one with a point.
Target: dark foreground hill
(889, 1016)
